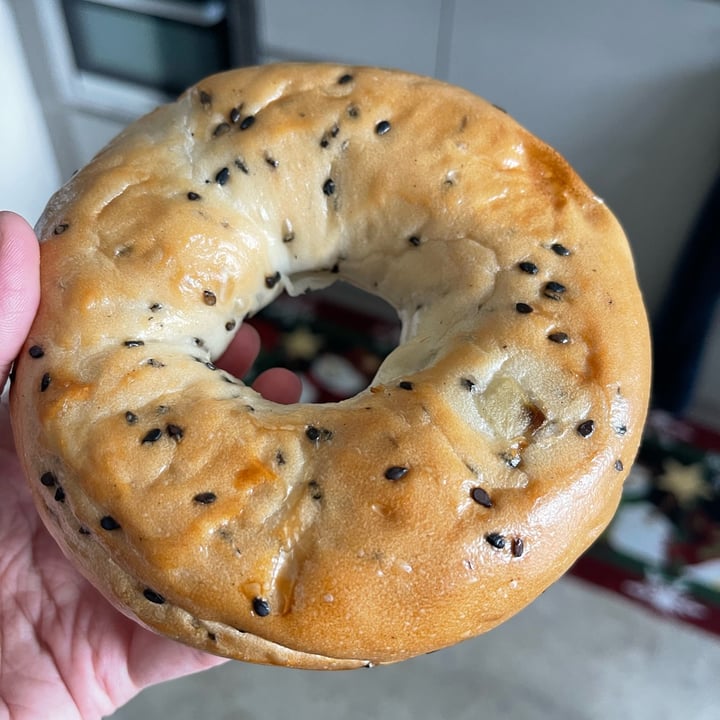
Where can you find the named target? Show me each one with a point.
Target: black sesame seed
(523, 308)
(405, 385)
(559, 249)
(83, 530)
(279, 458)
(205, 98)
(230, 325)
(586, 428)
(155, 307)
(328, 187)
(209, 297)
(261, 607)
(240, 165)
(554, 290)
(316, 434)
(152, 362)
(414, 240)
(272, 280)
(496, 540)
(131, 418)
(247, 122)
(48, 479)
(210, 365)
(315, 491)
(234, 115)
(60, 229)
(59, 495)
(134, 343)
(45, 382)
(205, 498)
(152, 436)
(559, 337)
(221, 129)
(175, 432)
(212, 637)
(344, 79)
(36, 352)
(222, 176)
(271, 161)
(109, 523)
(621, 430)
(396, 472)
(193, 196)
(449, 179)
(153, 597)
(619, 465)
(481, 497)
(353, 111)
(467, 384)
(528, 267)
(518, 547)
(382, 127)
(288, 237)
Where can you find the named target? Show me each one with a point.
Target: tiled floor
(577, 653)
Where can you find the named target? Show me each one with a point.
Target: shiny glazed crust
(488, 453)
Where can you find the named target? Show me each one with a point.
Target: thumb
(19, 286)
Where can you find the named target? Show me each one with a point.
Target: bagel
(489, 451)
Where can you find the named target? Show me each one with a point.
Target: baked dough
(488, 453)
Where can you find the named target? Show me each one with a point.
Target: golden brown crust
(490, 450)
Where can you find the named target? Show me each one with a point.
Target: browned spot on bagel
(551, 174)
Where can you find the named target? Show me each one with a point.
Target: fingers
(19, 286)
(279, 385)
(241, 352)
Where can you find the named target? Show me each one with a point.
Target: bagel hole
(334, 339)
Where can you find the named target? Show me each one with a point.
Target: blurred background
(629, 92)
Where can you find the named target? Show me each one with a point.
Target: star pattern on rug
(686, 482)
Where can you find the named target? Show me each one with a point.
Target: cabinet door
(392, 33)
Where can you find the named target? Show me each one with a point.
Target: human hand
(65, 652)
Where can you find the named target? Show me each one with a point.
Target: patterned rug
(662, 549)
